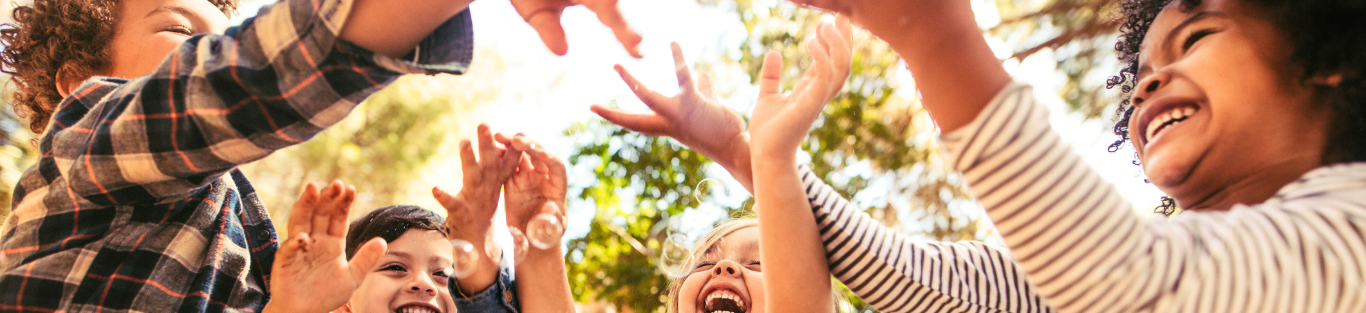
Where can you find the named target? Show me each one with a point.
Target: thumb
(366, 257)
(771, 74)
(650, 124)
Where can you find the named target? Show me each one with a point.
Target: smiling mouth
(1165, 120)
(416, 309)
(724, 301)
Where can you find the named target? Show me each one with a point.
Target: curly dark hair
(1329, 38)
(52, 36)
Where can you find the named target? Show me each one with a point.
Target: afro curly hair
(1330, 38)
(58, 36)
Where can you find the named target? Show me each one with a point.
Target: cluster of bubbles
(543, 232)
(674, 256)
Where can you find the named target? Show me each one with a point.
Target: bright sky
(545, 94)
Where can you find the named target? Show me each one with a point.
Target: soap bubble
(675, 258)
(465, 259)
(708, 192)
(545, 231)
(491, 250)
(519, 244)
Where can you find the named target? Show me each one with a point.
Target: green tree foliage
(874, 143)
(1080, 33)
(17, 153)
(389, 146)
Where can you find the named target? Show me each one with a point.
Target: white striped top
(1077, 243)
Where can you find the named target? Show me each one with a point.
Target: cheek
(374, 293)
(134, 58)
(687, 295)
(754, 281)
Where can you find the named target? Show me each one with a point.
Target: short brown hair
(51, 36)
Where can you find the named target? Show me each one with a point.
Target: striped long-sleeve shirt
(1078, 244)
(136, 204)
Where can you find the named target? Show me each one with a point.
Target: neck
(1257, 187)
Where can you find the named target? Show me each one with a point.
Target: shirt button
(507, 296)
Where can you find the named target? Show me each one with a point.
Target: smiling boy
(137, 203)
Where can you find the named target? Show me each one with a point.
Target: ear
(64, 82)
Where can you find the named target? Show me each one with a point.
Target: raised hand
(544, 16)
(311, 273)
(781, 121)
(469, 213)
(694, 117)
(540, 179)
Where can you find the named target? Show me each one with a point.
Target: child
(137, 204)
(1245, 126)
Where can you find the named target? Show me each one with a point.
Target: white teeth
(1162, 119)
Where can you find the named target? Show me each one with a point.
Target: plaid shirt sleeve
(129, 207)
(221, 101)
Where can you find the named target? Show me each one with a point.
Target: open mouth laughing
(722, 300)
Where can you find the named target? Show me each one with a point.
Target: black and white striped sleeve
(896, 274)
(1087, 250)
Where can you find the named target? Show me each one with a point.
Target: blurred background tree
(395, 146)
(874, 144)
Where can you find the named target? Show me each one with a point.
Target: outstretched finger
(446, 200)
(467, 158)
(610, 15)
(657, 102)
(301, 217)
(546, 22)
(342, 212)
(649, 124)
(365, 258)
(706, 85)
(817, 84)
(488, 150)
(322, 216)
(685, 82)
(771, 74)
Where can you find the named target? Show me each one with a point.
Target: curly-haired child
(145, 110)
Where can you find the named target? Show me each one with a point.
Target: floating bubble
(491, 250)
(519, 244)
(675, 258)
(545, 231)
(708, 191)
(465, 259)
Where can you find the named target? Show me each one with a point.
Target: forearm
(797, 279)
(371, 24)
(543, 282)
(954, 68)
(864, 254)
(736, 160)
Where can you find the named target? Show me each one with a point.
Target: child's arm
(311, 273)
(469, 213)
(223, 100)
(797, 277)
(955, 71)
(540, 186)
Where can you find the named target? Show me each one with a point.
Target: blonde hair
(710, 239)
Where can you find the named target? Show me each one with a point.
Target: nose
(726, 268)
(1148, 86)
(421, 284)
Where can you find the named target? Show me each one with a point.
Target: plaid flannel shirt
(137, 203)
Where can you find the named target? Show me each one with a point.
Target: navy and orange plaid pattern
(137, 203)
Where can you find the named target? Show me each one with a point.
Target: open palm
(311, 272)
(694, 116)
(781, 121)
(540, 179)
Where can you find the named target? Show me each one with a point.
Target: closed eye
(180, 29)
(1195, 37)
(394, 267)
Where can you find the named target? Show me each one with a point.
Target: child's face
(148, 30)
(410, 278)
(728, 277)
(1222, 71)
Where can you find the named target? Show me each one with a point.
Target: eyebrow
(1167, 42)
(171, 9)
